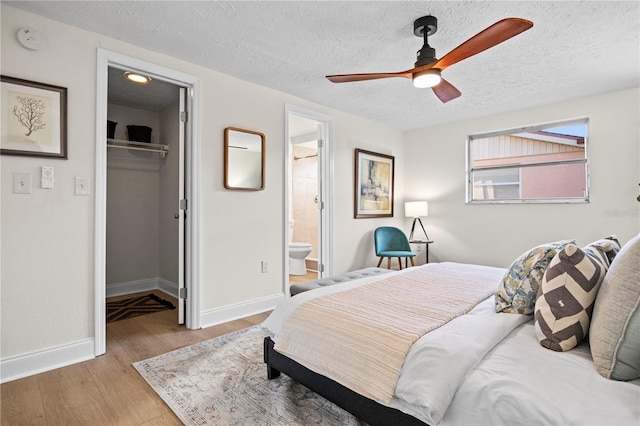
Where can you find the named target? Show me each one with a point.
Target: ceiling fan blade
(495, 34)
(346, 78)
(446, 91)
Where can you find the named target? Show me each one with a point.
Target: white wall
(357, 251)
(48, 237)
(497, 234)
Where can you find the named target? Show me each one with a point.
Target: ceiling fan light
(427, 78)
(137, 78)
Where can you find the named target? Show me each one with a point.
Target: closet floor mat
(136, 306)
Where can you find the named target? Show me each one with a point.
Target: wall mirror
(243, 159)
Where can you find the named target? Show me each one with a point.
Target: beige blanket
(360, 337)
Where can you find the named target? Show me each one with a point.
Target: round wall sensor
(31, 39)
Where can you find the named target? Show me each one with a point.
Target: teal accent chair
(392, 242)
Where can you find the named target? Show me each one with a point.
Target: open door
(320, 202)
(182, 207)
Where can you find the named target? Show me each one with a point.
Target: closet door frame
(106, 59)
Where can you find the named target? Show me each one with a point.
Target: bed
(481, 367)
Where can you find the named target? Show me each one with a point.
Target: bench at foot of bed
(347, 276)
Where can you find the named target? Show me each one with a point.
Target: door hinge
(321, 204)
(182, 293)
(184, 116)
(320, 143)
(183, 204)
(321, 267)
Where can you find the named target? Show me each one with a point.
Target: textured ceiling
(156, 95)
(575, 49)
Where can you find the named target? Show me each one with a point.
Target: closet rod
(138, 146)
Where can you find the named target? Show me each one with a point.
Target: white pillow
(615, 326)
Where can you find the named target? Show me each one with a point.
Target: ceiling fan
(427, 69)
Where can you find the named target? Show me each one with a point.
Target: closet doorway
(145, 183)
(146, 187)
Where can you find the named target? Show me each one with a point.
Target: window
(541, 163)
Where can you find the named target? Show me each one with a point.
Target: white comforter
(521, 383)
(488, 369)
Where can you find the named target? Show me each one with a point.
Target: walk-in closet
(144, 180)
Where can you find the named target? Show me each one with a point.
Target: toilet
(297, 253)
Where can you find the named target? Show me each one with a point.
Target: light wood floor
(108, 390)
(296, 279)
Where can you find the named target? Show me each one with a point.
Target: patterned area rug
(223, 381)
(136, 306)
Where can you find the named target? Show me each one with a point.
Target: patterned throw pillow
(567, 294)
(610, 245)
(519, 288)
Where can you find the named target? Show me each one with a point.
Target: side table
(426, 246)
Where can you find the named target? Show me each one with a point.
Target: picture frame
(373, 191)
(33, 118)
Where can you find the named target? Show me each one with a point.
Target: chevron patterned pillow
(567, 294)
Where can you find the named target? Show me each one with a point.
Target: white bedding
(425, 388)
(462, 391)
(521, 383)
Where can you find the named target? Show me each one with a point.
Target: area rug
(223, 381)
(136, 306)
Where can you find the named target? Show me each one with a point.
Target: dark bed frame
(363, 408)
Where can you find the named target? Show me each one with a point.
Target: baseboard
(21, 366)
(146, 284)
(168, 287)
(17, 367)
(312, 264)
(240, 310)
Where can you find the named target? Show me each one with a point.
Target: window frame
(517, 183)
(469, 187)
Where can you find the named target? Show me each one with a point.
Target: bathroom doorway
(308, 201)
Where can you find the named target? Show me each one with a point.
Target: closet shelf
(138, 146)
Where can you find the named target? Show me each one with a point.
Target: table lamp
(416, 209)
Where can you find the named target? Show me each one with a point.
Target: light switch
(22, 183)
(46, 179)
(82, 186)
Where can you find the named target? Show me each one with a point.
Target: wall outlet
(264, 266)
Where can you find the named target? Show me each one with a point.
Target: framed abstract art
(373, 192)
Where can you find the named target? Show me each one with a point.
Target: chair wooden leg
(411, 260)
(400, 262)
(388, 263)
(380, 261)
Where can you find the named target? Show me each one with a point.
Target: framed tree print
(34, 118)
(373, 192)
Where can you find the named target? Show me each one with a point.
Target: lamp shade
(416, 209)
